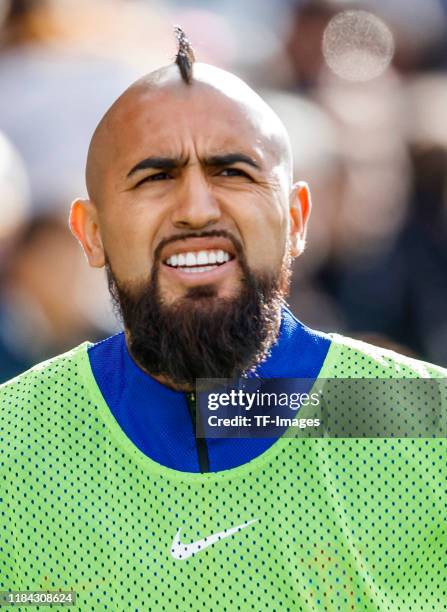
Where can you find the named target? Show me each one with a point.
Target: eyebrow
(156, 163)
(231, 158)
(171, 163)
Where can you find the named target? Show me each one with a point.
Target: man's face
(192, 212)
(183, 163)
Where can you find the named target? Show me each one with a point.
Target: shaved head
(210, 84)
(193, 213)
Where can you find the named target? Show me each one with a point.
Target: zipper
(202, 449)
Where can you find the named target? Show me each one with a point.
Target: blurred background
(362, 89)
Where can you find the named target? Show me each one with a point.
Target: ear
(300, 207)
(84, 226)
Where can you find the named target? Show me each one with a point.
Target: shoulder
(374, 392)
(351, 358)
(46, 375)
(35, 409)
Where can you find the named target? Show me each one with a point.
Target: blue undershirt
(157, 419)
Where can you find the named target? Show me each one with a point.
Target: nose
(195, 206)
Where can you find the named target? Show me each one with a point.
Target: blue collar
(157, 419)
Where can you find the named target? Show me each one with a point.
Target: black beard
(201, 335)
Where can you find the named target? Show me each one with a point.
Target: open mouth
(195, 262)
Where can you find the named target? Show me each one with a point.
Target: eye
(159, 176)
(233, 172)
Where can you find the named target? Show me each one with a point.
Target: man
(106, 490)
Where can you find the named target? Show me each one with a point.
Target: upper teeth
(200, 258)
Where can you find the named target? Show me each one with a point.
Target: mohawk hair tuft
(185, 55)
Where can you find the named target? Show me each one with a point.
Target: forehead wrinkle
(269, 135)
(269, 141)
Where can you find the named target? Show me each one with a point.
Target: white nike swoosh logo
(184, 551)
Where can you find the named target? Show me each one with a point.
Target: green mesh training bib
(311, 524)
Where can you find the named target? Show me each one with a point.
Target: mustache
(237, 245)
